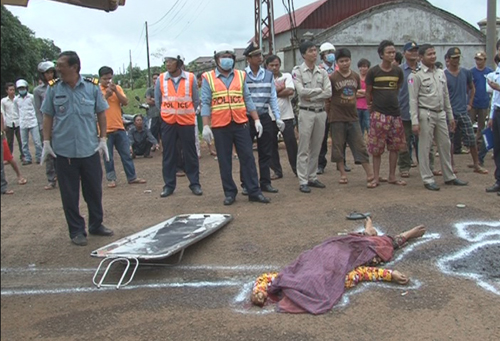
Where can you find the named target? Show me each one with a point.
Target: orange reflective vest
(227, 104)
(177, 105)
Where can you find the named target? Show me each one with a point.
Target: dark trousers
(88, 171)
(10, 133)
(155, 127)
(290, 144)
(225, 137)
(181, 167)
(142, 147)
(264, 148)
(496, 143)
(404, 157)
(324, 147)
(170, 133)
(457, 142)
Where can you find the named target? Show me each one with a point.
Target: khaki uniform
(313, 88)
(430, 108)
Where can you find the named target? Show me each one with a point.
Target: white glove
(259, 128)
(208, 136)
(102, 148)
(46, 151)
(280, 124)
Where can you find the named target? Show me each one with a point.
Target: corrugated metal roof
(282, 24)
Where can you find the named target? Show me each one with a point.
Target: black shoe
(432, 186)
(244, 191)
(347, 168)
(304, 189)
(79, 240)
(320, 170)
(456, 182)
(197, 190)
(229, 200)
(259, 198)
(269, 188)
(316, 184)
(102, 231)
(494, 188)
(166, 192)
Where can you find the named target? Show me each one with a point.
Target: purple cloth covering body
(315, 282)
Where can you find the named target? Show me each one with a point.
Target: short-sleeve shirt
(74, 131)
(458, 89)
(114, 119)
(385, 89)
(481, 98)
(343, 103)
(285, 103)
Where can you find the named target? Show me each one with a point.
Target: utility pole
(147, 51)
(491, 32)
(130, 70)
(264, 24)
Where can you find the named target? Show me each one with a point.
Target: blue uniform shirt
(404, 96)
(273, 100)
(206, 93)
(74, 131)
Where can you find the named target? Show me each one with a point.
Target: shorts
(385, 129)
(464, 124)
(350, 133)
(7, 156)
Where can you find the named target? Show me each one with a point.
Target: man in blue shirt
(260, 83)
(494, 121)
(70, 135)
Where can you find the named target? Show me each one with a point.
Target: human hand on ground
(399, 278)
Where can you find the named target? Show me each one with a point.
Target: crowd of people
(401, 104)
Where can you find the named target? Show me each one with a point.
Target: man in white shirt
(24, 106)
(11, 119)
(285, 91)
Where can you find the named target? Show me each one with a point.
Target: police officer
(260, 82)
(70, 135)
(225, 100)
(429, 108)
(176, 95)
(313, 88)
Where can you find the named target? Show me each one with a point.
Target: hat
(410, 46)
(252, 50)
(453, 52)
(480, 55)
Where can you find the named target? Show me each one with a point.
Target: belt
(312, 109)
(436, 111)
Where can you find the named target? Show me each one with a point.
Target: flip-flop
(480, 170)
(22, 181)
(343, 180)
(357, 215)
(381, 179)
(437, 173)
(137, 181)
(397, 182)
(372, 184)
(111, 184)
(405, 174)
(8, 192)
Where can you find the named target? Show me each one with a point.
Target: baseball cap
(480, 55)
(454, 52)
(410, 46)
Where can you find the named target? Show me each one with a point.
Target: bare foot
(416, 232)
(369, 229)
(399, 278)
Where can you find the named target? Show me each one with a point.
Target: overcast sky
(195, 27)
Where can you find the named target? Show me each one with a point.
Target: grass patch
(132, 107)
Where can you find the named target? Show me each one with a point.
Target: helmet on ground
(326, 47)
(46, 66)
(21, 83)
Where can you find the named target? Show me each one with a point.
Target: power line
(195, 16)
(171, 23)
(171, 8)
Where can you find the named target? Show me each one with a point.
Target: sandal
(137, 181)
(437, 173)
(372, 184)
(357, 215)
(381, 179)
(480, 170)
(49, 186)
(8, 192)
(343, 180)
(405, 174)
(22, 181)
(397, 182)
(111, 184)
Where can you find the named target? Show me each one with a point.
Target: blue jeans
(119, 140)
(364, 120)
(35, 135)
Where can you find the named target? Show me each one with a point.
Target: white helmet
(326, 47)
(174, 55)
(45, 66)
(21, 83)
(224, 48)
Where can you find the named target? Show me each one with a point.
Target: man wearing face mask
(260, 82)
(24, 106)
(226, 99)
(176, 95)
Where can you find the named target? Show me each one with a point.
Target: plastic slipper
(49, 186)
(480, 170)
(397, 182)
(372, 184)
(8, 192)
(437, 173)
(357, 215)
(111, 184)
(22, 181)
(137, 181)
(343, 180)
(405, 174)
(381, 179)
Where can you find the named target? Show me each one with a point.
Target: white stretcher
(157, 242)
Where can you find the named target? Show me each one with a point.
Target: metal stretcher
(157, 242)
